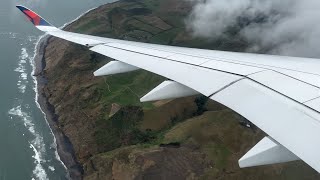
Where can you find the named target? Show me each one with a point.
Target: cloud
(285, 27)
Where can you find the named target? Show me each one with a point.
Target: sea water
(27, 145)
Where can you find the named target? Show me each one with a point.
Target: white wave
(51, 168)
(17, 111)
(11, 35)
(39, 171)
(36, 154)
(20, 69)
(22, 87)
(24, 54)
(33, 39)
(23, 77)
(36, 144)
(32, 63)
(35, 88)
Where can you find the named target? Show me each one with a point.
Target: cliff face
(114, 136)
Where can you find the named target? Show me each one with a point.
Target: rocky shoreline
(64, 146)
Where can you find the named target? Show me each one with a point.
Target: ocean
(27, 145)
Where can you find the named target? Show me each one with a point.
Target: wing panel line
(173, 60)
(226, 86)
(216, 70)
(257, 65)
(230, 61)
(285, 96)
(110, 46)
(312, 99)
(199, 65)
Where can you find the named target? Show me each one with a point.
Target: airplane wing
(280, 95)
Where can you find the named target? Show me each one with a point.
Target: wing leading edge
(278, 94)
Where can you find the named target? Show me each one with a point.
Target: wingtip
(33, 17)
(21, 6)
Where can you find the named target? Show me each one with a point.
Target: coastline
(64, 148)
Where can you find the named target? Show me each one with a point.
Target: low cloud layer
(285, 27)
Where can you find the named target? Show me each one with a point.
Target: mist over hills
(287, 27)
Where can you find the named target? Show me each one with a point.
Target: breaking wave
(21, 111)
(35, 88)
(36, 144)
(11, 35)
(23, 77)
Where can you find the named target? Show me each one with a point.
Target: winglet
(36, 20)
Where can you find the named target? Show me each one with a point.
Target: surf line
(34, 66)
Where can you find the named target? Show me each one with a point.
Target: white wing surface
(280, 95)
